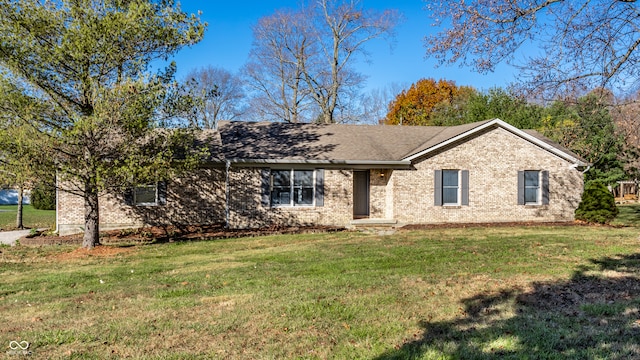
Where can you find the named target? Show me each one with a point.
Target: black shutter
(465, 187)
(162, 192)
(437, 188)
(266, 187)
(128, 196)
(520, 187)
(320, 187)
(545, 188)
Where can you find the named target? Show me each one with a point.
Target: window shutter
(320, 187)
(545, 188)
(128, 196)
(520, 187)
(437, 188)
(162, 192)
(465, 188)
(266, 187)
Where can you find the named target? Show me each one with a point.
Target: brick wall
(493, 160)
(247, 211)
(196, 198)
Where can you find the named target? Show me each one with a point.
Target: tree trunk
(91, 217)
(19, 224)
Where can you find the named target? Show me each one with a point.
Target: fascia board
(355, 163)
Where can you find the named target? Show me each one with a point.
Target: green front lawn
(629, 215)
(473, 293)
(31, 218)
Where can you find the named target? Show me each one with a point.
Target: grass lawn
(31, 218)
(473, 293)
(629, 215)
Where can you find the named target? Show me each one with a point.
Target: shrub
(597, 205)
(43, 197)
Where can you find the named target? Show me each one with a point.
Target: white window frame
(537, 188)
(146, 187)
(458, 188)
(292, 187)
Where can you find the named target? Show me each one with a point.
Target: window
(451, 187)
(533, 187)
(146, 195)
(294, 187)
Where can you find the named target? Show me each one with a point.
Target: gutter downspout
(587, 169)
(227, 193)
(57, 204)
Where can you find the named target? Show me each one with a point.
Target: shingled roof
(270, 142)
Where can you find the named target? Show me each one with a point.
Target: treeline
(597, 126)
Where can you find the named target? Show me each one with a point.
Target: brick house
(294, 174)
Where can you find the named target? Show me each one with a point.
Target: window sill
(293, 207)
(452, 206)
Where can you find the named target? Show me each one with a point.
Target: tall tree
(21, 162)
(626, 117)
(77, 72)
(274, 71)
(415, 105)
(308, 54)
(570, 47)
(216, 94)
(341, 28)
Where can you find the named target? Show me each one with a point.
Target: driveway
(10, 237)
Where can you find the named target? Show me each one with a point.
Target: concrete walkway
(10, 237)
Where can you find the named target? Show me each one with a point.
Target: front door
(360, 194)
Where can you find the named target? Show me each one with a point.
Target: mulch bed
(496, 224)
(157, 234)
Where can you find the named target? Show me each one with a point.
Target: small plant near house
(597, 205)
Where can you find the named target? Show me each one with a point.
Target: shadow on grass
(588, 316)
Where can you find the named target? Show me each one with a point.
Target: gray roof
(341, 143)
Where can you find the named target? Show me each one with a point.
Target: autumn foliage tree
(415, 105)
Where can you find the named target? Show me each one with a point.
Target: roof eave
(373, 164)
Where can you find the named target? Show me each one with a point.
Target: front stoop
(376, 226)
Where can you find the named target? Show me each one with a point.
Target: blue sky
(228, 40)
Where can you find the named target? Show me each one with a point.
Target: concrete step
(379, 226)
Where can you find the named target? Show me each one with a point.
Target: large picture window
(292, 188)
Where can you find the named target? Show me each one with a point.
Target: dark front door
(360, 194)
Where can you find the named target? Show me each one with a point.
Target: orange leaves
(414, 106)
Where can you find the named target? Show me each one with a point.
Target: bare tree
(274, 70)
(375, 103)
(569, 47)
(308, 55)
(217, 95)
(341, 29)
